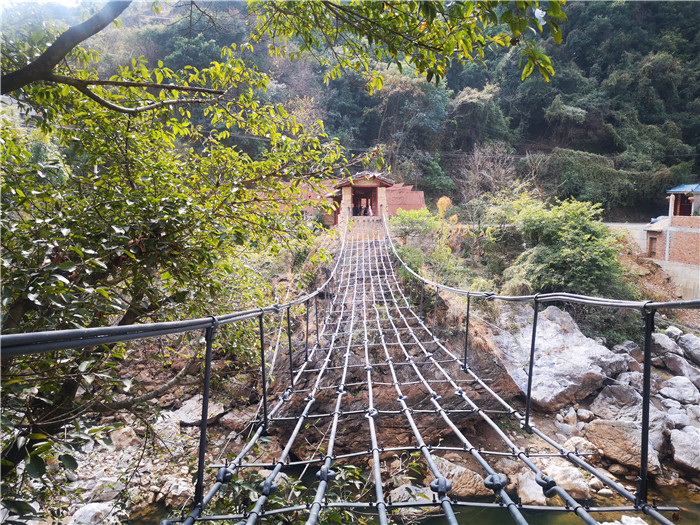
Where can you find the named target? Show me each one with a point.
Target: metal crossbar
(372, 361)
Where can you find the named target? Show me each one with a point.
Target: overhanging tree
(118, 206)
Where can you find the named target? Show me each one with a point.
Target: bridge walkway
(375, 383)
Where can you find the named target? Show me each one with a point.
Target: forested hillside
(617, 124)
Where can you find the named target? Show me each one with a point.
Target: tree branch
(82, 87)
(128, 403)
(61, 79)
(42, 67)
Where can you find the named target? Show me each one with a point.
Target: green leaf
(68, 461)
(35, 467)
(19, 507)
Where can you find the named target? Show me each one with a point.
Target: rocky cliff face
(572, 372)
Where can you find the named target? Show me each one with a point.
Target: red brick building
(676, 237)
(371, 194)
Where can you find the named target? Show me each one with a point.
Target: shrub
(413, 223)
(568, 249)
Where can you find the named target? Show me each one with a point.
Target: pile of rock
(156, 472)
(595, 393)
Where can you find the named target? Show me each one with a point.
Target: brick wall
(686, 222)
(684, 242)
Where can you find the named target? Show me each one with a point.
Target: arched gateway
(370, 194)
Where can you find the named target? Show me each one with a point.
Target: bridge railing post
(466, 331)
(306, 346)
(263, 369)
(209, 335)
(422, 292)
(316, 309)
(642, 481)
(289, 344)
(437, 296)
(531, 367)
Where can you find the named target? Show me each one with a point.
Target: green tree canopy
(118, 204)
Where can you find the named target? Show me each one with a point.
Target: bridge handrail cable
(50, 340)
(542, 297)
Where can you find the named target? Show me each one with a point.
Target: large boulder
(621, 442)
(568, 366)
(691, 347)
(465, 483)
(685, 445)
(681, 389)
(679, 366)
(661, 344)
(624, 403)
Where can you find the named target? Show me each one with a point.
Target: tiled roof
(686, 188)
(365, 175)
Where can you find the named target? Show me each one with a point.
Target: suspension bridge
(375, 365)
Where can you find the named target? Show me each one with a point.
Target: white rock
(569, 478)
(629, 348)
(681, 389)
(680, 366)
(585, 415)
(529, 492)
(626, 520)
(177, 491)
(406, 493)
(686, 448)
(636, 380)
(566, 430)
(124, 437)
(596, 484)
(693, 412)
(680, 419)
(191, 410)
(570, 417)
(670, 403)
(93, 513)
(621, 442)
(568, 366)
(465, 482)
(661, 344)
(674, 333)
(580, 445)
(623, 403)
(632, 520)
(691, 347)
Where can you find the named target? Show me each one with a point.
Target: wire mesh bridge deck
(377, 372)
(376, 380)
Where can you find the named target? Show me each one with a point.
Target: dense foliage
(566, 249)
(140, 168)
(621, 107)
